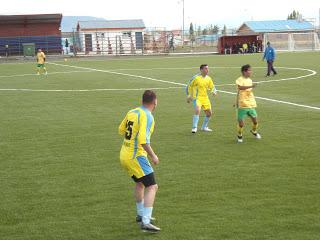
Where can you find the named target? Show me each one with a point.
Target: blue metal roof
(134, 23)
(69, 23)
(279, 26)
(213, 37)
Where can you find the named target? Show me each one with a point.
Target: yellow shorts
(138, 166)
(204, 103)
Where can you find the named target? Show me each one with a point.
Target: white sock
(195, 121)
(139, 208)
(205, 122)
(147, 213)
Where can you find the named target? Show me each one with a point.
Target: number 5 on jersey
(129, 126)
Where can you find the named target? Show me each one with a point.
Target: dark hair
(245, 68)
(268, 43)
(203, 65)
(148, 96)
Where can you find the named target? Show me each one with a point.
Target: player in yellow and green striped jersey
(41, 59)
(246, 103)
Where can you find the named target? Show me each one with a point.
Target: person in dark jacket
(269, 55)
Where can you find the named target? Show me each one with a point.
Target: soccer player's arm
(236, 104)
(144, 138)
(240, 87)
(122, 128)
(212, 88)
(44, 57)
(189, 89)
(273, 54)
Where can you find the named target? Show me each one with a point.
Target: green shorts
(40, 65)
(246, 112)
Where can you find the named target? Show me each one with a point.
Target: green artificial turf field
(60, 176)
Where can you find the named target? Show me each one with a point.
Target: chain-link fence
(137, 43)
(110, 43)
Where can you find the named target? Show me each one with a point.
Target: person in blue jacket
(269, 55)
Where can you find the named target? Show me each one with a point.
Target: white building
(111, 37)
(288, 35)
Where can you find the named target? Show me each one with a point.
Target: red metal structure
(30, 25)
(238, 39)
(41, 29)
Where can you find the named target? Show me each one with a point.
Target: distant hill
(68, 23)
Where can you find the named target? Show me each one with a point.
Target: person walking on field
(269, 56)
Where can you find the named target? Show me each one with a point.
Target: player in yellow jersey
(197, 92)
(137, 128)
(246, 103)
(41, 59)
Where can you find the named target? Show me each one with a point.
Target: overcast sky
(168, 13)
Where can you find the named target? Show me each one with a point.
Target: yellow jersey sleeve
(238, 82)
(210, 85)
(190, 86)
(122, 127)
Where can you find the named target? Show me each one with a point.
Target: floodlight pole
(182, 22)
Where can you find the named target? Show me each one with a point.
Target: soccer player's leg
(134, 170)
(44, 69)
(38, 69)
(151, 189)
(139, 195)
(143, 173)
(206, 105)
(196, 116)
(241, 114)
(254, 118)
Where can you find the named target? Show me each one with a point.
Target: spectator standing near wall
(7, 50)
(227, 49)
(245, 48)
(66, 45)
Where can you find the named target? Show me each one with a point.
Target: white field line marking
(181, 84)
(118, 73)
(312, 72)
(158, 80)
(128, 58)
(149, 57)
(34, 74)
(86, 90)
(84, 58)
(277, 101)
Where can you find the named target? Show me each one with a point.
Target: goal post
(302, 41)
